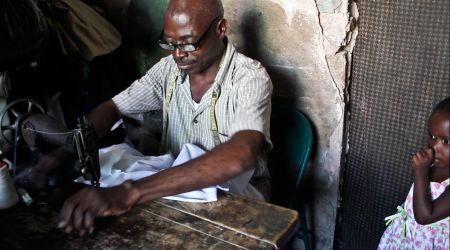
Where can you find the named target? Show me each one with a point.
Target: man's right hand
(80, 210)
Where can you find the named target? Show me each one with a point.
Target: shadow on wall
(287, 88)
(286, 83)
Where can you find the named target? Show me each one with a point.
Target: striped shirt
(244, 92)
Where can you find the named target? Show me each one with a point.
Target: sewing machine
(32, 127)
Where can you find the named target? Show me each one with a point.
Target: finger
(423, 152)
(431, 152)
(88, 222)
(423, 155)
(66, 213)
(432, 156)
(62, 224)
(68, 229)
(417, 158)
(77, 216)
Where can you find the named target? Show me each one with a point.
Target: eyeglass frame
(196, 45)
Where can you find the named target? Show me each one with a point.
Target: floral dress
(404, 232)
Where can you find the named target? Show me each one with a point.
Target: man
(211, 96)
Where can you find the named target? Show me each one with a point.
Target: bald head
(194, 10)
(198, 23)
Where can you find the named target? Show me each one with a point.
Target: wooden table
(232, 222)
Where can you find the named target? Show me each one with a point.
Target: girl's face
(439, 130)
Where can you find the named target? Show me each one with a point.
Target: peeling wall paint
(329, 6)
(292, 7)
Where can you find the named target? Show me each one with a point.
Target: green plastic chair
(292, 139)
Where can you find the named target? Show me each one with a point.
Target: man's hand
(80, 210)
(422, 160)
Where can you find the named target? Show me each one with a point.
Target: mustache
(184, 60)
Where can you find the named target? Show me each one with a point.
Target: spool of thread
(8, 193)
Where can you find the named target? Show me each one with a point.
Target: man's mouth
(184, 66)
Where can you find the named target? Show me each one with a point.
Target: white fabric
(120, 162)
(196, 105)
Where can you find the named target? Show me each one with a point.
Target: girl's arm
(426, 210)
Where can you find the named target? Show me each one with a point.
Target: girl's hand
(422, 160)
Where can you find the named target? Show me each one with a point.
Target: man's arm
(216, 166)
(222, 163)
(103, 117)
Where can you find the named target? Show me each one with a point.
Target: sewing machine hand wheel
(20, 109)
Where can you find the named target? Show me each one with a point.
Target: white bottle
(8, 193)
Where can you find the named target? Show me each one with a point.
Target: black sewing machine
(87, 152)
(36, 129)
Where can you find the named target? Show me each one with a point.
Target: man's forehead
(182, 23)
(181, 18)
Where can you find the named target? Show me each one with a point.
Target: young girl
(423, 220)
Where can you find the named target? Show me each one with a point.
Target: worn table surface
(232, 222)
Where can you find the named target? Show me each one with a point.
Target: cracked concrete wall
(306, 47)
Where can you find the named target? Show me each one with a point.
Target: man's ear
(223, 27)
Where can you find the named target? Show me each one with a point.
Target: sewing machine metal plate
(230, 223)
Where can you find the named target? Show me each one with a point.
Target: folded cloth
(120, 162)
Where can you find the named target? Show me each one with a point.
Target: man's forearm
(217, 166)
(103, 117)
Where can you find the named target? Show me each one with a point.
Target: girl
(423, 220)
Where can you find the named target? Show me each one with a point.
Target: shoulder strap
(169, 93)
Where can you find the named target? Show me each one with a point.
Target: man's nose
(177, 53)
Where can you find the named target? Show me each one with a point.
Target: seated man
(211, 96)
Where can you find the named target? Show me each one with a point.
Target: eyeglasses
(186, 47)
(445, 141)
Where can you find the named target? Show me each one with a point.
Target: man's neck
(201, 82)
(207, 75)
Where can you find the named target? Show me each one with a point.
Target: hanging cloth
(80, 28)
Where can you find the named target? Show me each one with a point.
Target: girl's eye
(445, 141)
